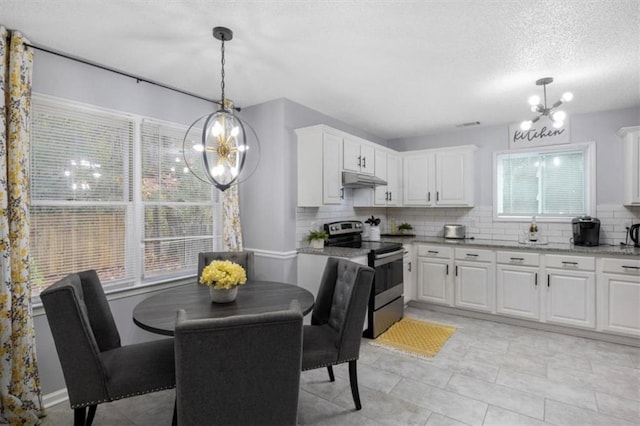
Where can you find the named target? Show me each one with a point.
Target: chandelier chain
(222, 80)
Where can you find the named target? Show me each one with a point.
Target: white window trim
(137, 222)
(590, 161)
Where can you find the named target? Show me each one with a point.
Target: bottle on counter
(394, 228)
(533, 230)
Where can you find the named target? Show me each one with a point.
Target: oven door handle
(381, 259)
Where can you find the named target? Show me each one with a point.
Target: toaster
(454, 231)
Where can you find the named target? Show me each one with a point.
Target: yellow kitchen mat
(415, 337)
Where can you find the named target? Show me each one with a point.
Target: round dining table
(157, 313)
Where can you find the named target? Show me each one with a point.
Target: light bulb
(525, 125)
(558, 123)
(534, 100)
(567, 97)
(217, 129)
(198, 147)
(243, 148)
(559, 116)
(217, 170)
(234, 171)
(235, 131)
(534, 108)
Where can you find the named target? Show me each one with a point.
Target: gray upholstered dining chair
(239, 370)
(96, 367)
(337, 320)
(242, 258)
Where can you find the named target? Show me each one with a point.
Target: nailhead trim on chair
(87, 404)
(328, 364)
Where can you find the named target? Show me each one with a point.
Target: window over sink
(553, 184)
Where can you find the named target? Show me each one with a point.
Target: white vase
(317, 244)
(374, 233)
(223, 295)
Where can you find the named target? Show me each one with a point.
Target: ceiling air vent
(470, 123)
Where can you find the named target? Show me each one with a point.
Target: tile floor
(487, 374)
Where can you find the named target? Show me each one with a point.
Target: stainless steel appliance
(586, 231)
(454, 231)
(634, 234)
(386, 304)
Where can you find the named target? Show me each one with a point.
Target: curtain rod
(113, 70)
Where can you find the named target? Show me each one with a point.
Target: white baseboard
(55, 398)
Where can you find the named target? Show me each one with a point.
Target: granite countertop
(566, 248)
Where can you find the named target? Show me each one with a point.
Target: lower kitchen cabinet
(619, 296)
(517, 286)
(570, 291)
(434, 267)
(474, 279)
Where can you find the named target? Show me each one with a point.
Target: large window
(109, 192)
(550, 183)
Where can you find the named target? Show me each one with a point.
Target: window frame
(134, 217)
(589, 150)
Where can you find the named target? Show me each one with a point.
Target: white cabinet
(409, 286)
(319, 172)
(434, 282)
(387, 168)
(517, 285)
(357, 156)
(440, 178)
(631, 140)
(474, 279)
(570, 291)
(619, 296)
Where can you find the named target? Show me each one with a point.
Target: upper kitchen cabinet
(439, 177)
(358, 156)
(319, 171)
(387, 168)
(631, 139)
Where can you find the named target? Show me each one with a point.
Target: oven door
(388, 277)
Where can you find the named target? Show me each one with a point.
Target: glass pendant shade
(221, 149)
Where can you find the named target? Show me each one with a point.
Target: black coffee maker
(586, 231)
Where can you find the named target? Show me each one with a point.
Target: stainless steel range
(386, 302)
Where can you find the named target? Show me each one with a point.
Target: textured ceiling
(392, 68)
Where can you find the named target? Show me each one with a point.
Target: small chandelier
(556, 115)
(216, 147)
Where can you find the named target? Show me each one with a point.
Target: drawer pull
(536, 280)
(471, 255)
(631, 267)
(517, 259)
(447, 273)
(433, 251)
(569, 263)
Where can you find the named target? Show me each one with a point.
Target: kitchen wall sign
(541, 133)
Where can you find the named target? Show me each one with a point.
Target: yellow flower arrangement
(223, 274)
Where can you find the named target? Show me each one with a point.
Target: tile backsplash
(428, 222)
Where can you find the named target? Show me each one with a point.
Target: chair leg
(331, 376)
(79, 416)
(91, 414)
(353, 379)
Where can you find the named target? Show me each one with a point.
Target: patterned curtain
(232, 231)
(20, 393)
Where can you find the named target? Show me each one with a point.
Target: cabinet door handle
(386, 196)
(548, 280)
(447, 273)
(517, 259)
(342, 193)
(631, 267)
(433, 252)
(437, 196)
(429, 196)
(456, 270)
(471, 255)
(409, 266)
(359, 161)
(390, 196)
(536, 280)
(569, 263)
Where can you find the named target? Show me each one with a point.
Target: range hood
(357, 180)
